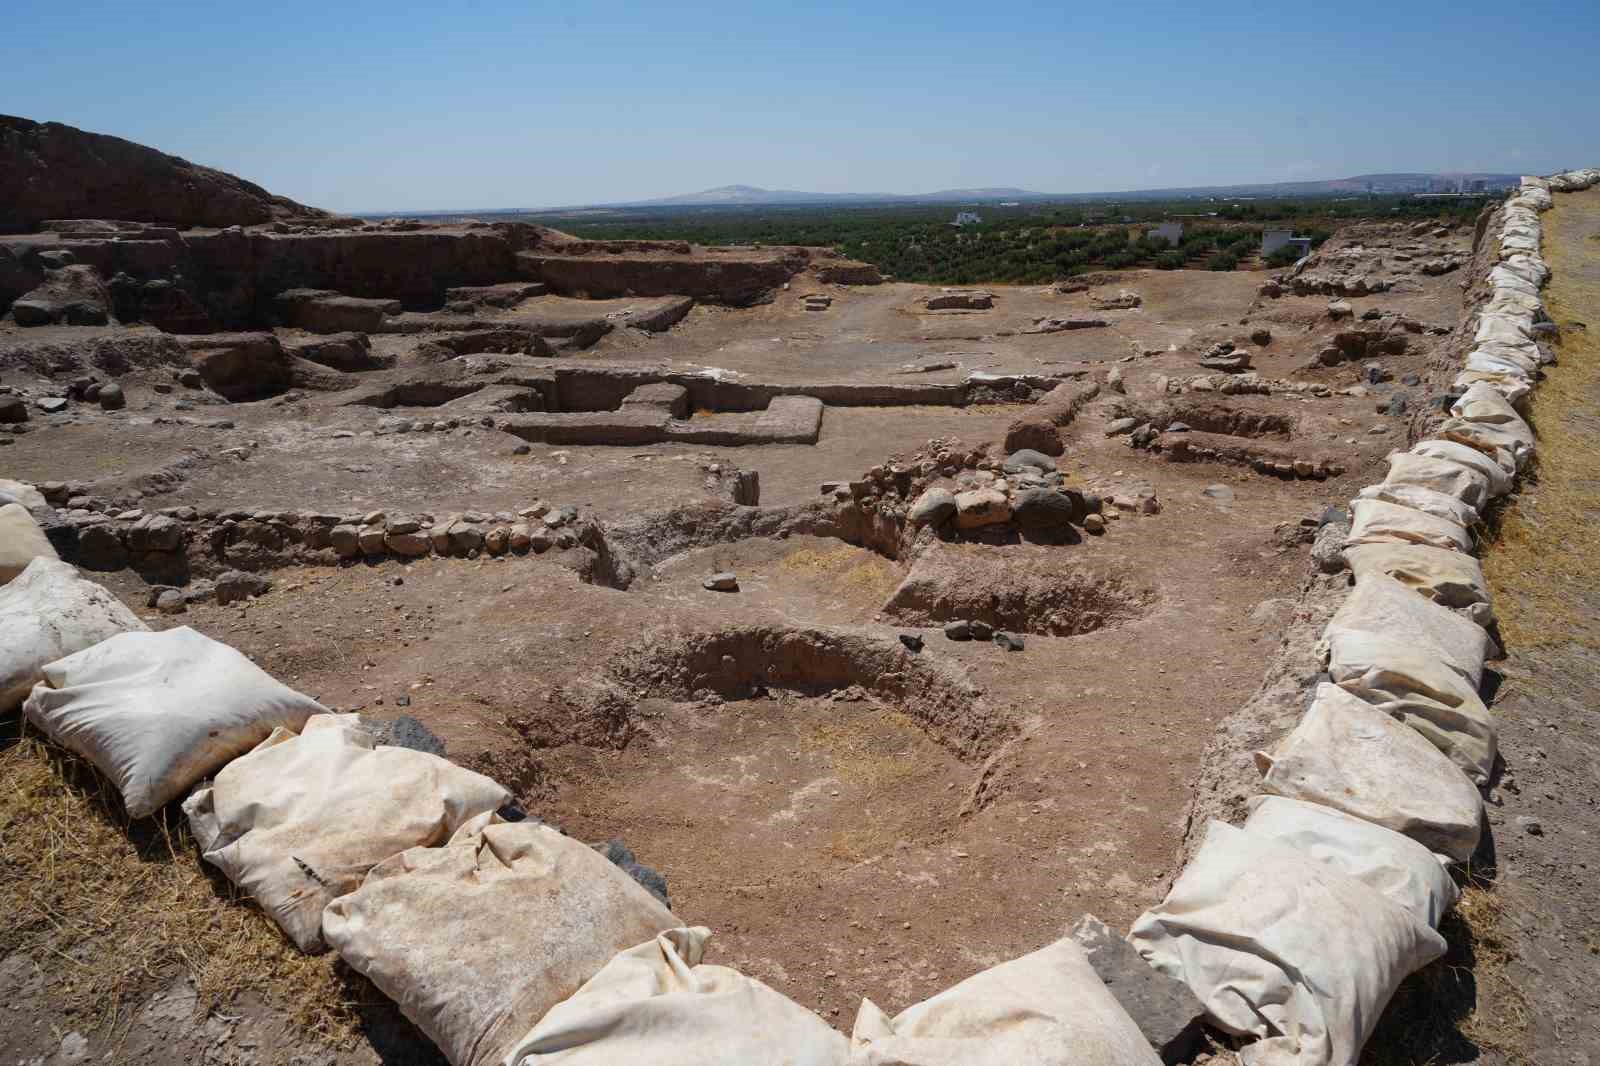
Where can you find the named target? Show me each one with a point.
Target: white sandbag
(1047, 1008)
(477, 940)
(1377, 521)
(1518, 242)
(1536, 198)
(1516, 302)
(1507, 445)
(1428, 501)
(1294, 952)
(156, 712)
(1481, 403)
(657, 1005)
(1514, 387)
(1529, 268)
(20, 492)
(21, 541)
(1503, 364)
(49, 612)
(1449, 578)
(1499, 477)
(1504, 327)
(1382, 609)
(301, 819)
(1399, 867)
(1433, 700)
(1348, 755)
(1466, 484)
(1507, 277)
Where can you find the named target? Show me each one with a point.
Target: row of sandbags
(503, 940)
(1378, 785)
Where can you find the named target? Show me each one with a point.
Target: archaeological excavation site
(461, 641)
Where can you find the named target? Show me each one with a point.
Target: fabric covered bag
(1469, 486)
(301, 819)
(1383, 611)
(156, 712)
(1499, 477)
(21, 541)
(1448, 578)
(1348, 755)
(1048, 1008)
(1294, 952)
(1379, 522)
(49, 612)
(1380, 858)
(477, 940)
(657, 1004)
(1432, 699)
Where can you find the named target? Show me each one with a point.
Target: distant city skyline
(367, 106)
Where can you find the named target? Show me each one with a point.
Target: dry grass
(855, 569)
(1462, 1005)
(112, 909)
(1543, 565)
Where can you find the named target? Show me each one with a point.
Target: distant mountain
(745, 195)
(737, 195)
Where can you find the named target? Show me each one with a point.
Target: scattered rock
(726, 581)
(982, 507)
(958, 630)
(934, 507)
(1530, 825)
(1261, 336)
(1037, 435)
(1094, 524)
(111, 397)
(171, 602)
(1026, 459)
(51, 404)
(1340, 309)
(235, 585)
(1009, 641)
(1165, 1010)
(912, 641)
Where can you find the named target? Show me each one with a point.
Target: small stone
(958, 630)
(346, 541)
(371, 540)
(912, 641)
(111, 397)
(1118, 426)
(1025, 458)
(726, 581)
(521, 449)
(1009, 641)
(51, 404)
(1530, 825)
(933, 508)
(981, 630)
(1094, 524)
(982, 507)
(410, 545)
(171, 602)
(497, 540)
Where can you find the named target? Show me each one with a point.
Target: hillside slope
(49, 170)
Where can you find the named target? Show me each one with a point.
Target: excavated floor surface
(838, 842)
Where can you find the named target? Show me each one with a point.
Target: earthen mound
(53, 171)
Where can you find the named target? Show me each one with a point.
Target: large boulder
(982, 507)
(54, 171)
(73, 295)
(241, 367)
(1034, 434)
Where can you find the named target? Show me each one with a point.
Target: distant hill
(49, 170)
(739, 195)
(732, 195)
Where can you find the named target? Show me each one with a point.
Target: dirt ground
(838, 841)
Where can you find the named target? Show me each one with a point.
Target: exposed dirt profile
(950, 582)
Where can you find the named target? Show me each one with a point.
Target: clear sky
(402, 106)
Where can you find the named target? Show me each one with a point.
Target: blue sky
(374, 106)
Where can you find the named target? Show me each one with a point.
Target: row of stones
(537, 529)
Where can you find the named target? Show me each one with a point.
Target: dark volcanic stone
(1163, 1008)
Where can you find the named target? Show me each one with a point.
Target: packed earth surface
(890, 624)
